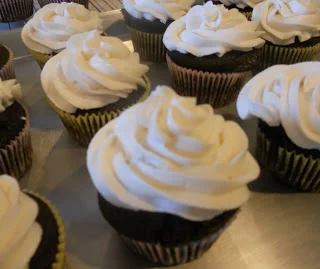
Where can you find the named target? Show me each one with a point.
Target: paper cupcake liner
(60, 257)
(41, 58)
(16, 158)
(149, 45)
(42, 3)
(273, 54)
(296, 170)
(7, 71)
(217, 89)
(170, 256)
(83, 127)
(15, 10)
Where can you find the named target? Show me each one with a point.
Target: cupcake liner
(60, 257)
(296, 170)
(149, 45)
(170, 256)
(42, 3)
(83, 127)
(41, 58)
(16, 158)
(15, 10)
(217, 89)
(7, 71)
(273, 54)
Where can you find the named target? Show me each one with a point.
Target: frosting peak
(10, 91)
(211, 29)
(92, 72)
(169, 155)
(287, 95)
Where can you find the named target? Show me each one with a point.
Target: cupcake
(15, 141)
(32, 233)
(170, 176)
(42, 3)
(211, 51)
(48, 32)
(6, 63)
(285, 99)
(92, 82)
(292, 31)
(15, 10)
(148, 20)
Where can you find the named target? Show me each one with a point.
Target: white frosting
(211, 29)
(163, 10)
(19, 232)
(92, 72)
(284, 20)
(241, 3)
(169, 155)
(287, 95)
(54, 24)
(10, 91)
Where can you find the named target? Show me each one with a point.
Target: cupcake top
(169, 155)
(241, 3)
(285, 20)
(54, 24)
(92, 72)
(20, 233)
(163, 10)
(211, 29)
(10, 91)
(287, 95)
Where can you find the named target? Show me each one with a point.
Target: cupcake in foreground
(6, 63)
(148, 20)
(51, 27)
(285, 99)
(42, 3)
(210, 52)
(92, 82)
(15, 10)
(170, 176)
(15, 141)
(292, 31)
(32, 233)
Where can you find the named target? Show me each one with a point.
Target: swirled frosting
(211, 29)
(19, 232)
(163, 10)
(169, 155)
(284, 20)
(287, 95)
(54, 24)
(10, 91)
(241, 3)
(92, 72)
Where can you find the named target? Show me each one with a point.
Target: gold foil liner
(273, 55)
(170, 256)
(7, 71)
(15, 10)
(83, 127)
(217, 89)
(41, 58)
(149, 45)
(60, 259)
(295, 170)
(16, 158)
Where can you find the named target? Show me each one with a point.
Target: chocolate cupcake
(292, 30)
(32, 230)
(51, 27)
(15, 10)
(285, 99)
(15, 141)
(148, 20)
(211, 51)
(92, 82)
(42, 3)
(174, 167)
(6, 63)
